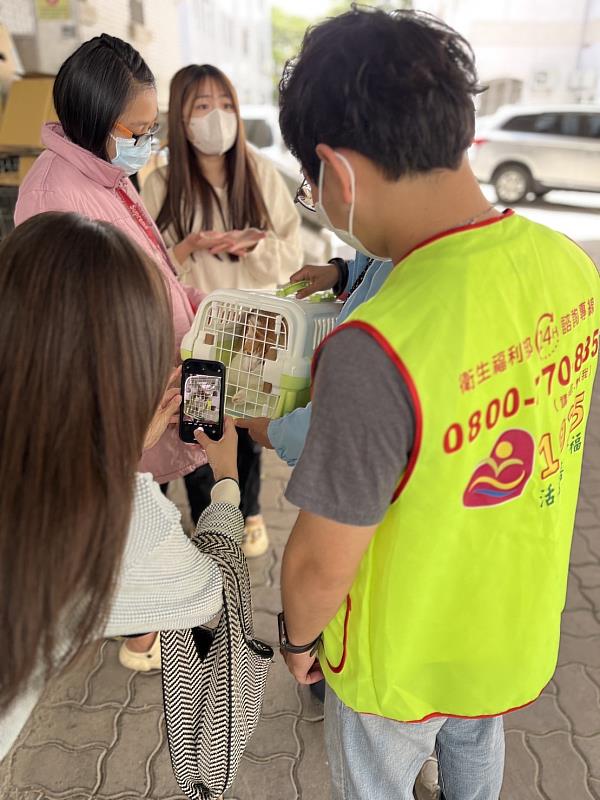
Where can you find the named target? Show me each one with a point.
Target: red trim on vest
(438, 714)
(406, 377)
(505, 215)
(395, 358)
(340, 666)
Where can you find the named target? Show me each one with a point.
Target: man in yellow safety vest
(428, 564)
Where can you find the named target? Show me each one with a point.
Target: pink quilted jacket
(68, 178)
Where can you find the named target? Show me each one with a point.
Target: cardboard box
(28, 107)
(10, 63)
(13, 168)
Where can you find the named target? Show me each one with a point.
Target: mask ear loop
(321, 177)
(348, 166)
(116, 141)
(319, 207)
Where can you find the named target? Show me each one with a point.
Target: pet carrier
(266, 343)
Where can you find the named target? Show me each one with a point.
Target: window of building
(136, 11)
(499, 92)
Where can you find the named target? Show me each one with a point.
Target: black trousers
(199, 483)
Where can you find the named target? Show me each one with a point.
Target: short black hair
(92, 88)
(396, 87)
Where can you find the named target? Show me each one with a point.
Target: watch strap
(342, 281)
(287, 646)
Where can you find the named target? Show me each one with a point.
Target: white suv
(535, 149)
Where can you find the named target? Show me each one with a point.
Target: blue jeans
(379, 759)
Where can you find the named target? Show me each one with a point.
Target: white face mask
(215, 133)
(346, 236)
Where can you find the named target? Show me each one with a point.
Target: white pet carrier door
(266, 343)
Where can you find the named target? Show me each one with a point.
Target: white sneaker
(426, 785)
(141, 662)
(256, 540)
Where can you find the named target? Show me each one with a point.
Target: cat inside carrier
(266, 342)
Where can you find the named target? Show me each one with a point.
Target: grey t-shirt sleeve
(361, 433)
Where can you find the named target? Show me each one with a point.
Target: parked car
(263, 133)
(262, 130)
(522, 150)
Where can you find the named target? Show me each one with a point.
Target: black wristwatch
(286, 645)
(342, 281)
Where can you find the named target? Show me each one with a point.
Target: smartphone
(203, 392)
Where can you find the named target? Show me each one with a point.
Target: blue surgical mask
(131, 157)
(347, 236)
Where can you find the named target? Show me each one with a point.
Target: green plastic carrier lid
(292, 288)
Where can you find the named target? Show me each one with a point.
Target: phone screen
(202, 389)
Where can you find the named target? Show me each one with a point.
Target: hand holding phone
(203, 404)
(222, 455)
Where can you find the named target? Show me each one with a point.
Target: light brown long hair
(86, 345)
(187, 187)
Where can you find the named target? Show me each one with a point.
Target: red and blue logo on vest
(504, 475)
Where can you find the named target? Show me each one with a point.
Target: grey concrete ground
(98, 731)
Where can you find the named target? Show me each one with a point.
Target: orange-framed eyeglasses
(140, 138)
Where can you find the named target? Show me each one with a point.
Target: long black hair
(92, 88)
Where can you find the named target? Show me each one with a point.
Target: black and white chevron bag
(214, 682)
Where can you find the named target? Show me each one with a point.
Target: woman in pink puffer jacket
(105, 98)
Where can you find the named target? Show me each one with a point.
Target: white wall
(42, 43)
(159, 45)
(17, 16)
(528, 40)
(235, 35)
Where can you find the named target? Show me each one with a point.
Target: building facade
(235, 35)
(534, 52)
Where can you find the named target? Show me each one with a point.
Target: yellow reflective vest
(456, 606)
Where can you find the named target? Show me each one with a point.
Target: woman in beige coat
(230, 223)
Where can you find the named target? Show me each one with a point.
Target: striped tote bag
(214, 681)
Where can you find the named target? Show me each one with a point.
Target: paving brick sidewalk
(98, 731)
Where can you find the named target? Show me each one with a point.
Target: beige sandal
(141, 662)
(256, 540)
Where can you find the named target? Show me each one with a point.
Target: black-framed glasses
(140, 138)
(304, 196)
